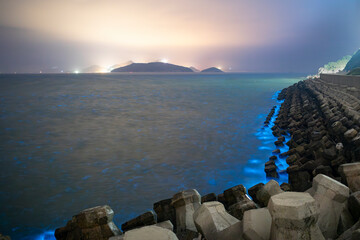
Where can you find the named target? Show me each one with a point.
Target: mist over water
(69, 142)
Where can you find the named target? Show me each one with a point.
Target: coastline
(323, 121)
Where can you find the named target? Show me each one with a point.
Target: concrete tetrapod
(332, 197)
(186, 203)
(214, 223)
(149, 233)
(257, 224)
(350, 173)
(294, 216)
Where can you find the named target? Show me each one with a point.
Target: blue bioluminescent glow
(48, 235)
(268, 139)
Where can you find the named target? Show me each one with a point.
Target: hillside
(152, 67)
(211, 70)
(354, 62)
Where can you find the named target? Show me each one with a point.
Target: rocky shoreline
(321, 200)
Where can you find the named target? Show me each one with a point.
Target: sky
(236, 35)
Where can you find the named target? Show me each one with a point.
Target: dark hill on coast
(212, 70)
(354, 62)
(152, 67)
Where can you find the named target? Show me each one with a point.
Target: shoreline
(317, 121)
(323, 170)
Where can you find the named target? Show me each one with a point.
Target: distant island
(158, 67)
(212, 70)
(152, 67)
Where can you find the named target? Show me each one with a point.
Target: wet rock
(144, 219)
(291, 159)
(326, 170)
(208, 198)
(354, 204)
(332, 198)
(350, 174)
(186, 203)
(235, 194)
(237, 210)
(253, 191)
(221, 199)
(330, 153)
(276, 151)
(165, 211)
(299, 180)
(350, 134)
(214, 223)
(273, 158)
(93, 223)
(294, 216)
(257, 224)
(267, 191)
(148, 233)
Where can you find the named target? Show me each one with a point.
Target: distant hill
(120, 65)
(152, 67)
(354, 62)
(355, 71)
(212, 70)
(194, 69)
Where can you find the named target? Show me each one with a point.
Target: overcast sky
(241, 35)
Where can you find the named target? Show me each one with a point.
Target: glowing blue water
(69, 142)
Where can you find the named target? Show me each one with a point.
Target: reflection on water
(69, 142)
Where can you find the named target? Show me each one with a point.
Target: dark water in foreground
(69, 142)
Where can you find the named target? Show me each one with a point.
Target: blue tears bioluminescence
(70, 142)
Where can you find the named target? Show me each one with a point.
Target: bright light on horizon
(164, 60)
(76, 71)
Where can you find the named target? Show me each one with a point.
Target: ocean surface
(74, 141)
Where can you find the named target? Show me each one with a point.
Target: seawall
(319, 120)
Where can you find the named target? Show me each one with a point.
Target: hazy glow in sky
(244, 35)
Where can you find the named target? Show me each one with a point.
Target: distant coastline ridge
(154, 67)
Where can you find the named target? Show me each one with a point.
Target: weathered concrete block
(350, 174)
(166, 224)
(144, 219)
(267, 191)
(235, 194)
(92, 223)
(148, 233)
(208, 198)
(186, 203)
(237, 210)
(165, 211)
(257, 224)
(294, 216)
(214, 223)
(253, 191)
(332, 197)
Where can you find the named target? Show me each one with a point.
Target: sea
(74, 141)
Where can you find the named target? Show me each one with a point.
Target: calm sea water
(69, 142)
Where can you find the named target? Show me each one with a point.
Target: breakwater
(321, 200)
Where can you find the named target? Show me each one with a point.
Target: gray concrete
(294, 216)
(214, 223)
